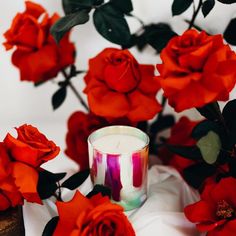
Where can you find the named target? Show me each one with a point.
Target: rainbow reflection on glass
(118, 157)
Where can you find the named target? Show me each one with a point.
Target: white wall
(21, 103)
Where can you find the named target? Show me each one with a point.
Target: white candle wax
(118, 143)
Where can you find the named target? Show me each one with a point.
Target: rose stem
(195, 13)
(67, 77)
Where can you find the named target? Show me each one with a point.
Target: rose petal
(106, 103)
(148, 84)
(34, 9)
(201, 211)
(31, 69)
(69, 211)
(4, 203)
(26, 179)
(225, 190)
(142, 107)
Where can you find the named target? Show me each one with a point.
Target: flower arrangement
(197, 71)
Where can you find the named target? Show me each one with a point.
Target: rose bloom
(31, 147)
(9, 194)
(80, 126)
(37, 55)
(180, 135)
(117, 86)
(197, 69)
(215, 212)
(28, 151)
(96, 216)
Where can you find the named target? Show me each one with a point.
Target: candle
(118, 159)
(118, 143)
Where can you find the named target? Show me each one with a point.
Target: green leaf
(210, 111)
(197, 173)
(162, 123)
(123, 5)
(210, 146)
(105, 191)
(111, 24)
(159, 35)
(76, 180)
(47, 186)
(59, 97)
(189, 152)
(229, 33)
(227, 1)
(207, 7)
(179, 6)
(203, 128)
(50, 226)
(72, 6)
(229, 114)
(64, 24)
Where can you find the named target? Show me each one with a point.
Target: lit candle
(118, 159)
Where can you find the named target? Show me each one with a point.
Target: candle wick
(118, 144)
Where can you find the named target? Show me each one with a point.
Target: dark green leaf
(207, 7)
(64, 24)
(179, 6)
(197, 173)
(72, 6)
(210, 111)
(229, 33)
(50, 226)
(105, 191)
(123, 5)
(159, 35)
(203, 128)
(161, 123)
(227, 1)
(40, 83)
(98, 2)
(47, 183)
(189, 152)
(232, 167)
(143, 126)
(111, 24)
(229, 114)
(76, 180)
(210, 146)
(59, 97)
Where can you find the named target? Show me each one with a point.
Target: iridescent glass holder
(118, 157)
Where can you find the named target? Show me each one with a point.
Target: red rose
(197, 69)
(96, 216)
(9, 194)
(28, 151)
(117, 86)
(37, 55)
(180, 135)
(215, 212)
(80, 126)
(30, 147)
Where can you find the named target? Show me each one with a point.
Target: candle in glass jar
(118, 159)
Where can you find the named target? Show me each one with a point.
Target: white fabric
(161, 214)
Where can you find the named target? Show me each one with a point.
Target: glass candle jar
(118, 157)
